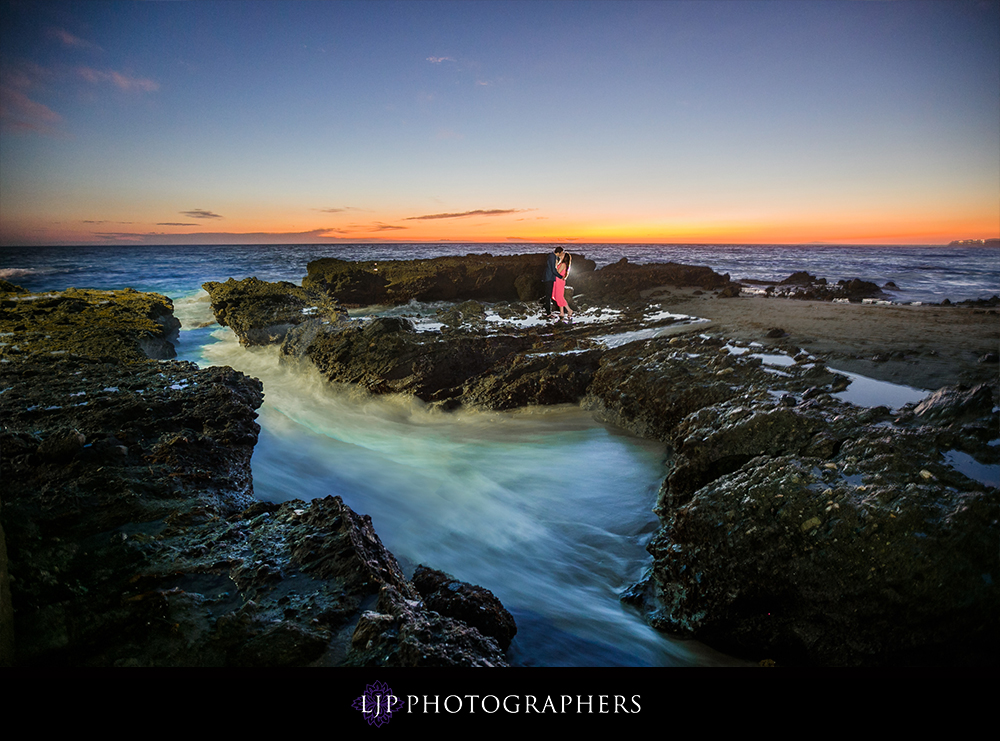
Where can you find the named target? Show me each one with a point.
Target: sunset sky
(862, 121)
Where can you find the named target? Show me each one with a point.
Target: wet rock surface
(262, 313)
(800, 528)
(131, 534)
(802, 285)
(473, 605)
(477, 277)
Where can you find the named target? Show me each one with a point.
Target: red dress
(559, 287)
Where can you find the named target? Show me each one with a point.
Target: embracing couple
(556, 271)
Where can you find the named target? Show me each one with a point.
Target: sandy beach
(923, 346)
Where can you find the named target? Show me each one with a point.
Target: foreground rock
(802, 529)
(132, 534)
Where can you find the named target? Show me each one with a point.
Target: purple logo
(377, 704)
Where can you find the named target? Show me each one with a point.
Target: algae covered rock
(625, 280)
(788, 559)
(473, 277)
(262, 313)
(115, 326)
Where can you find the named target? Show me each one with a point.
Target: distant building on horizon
(974, 242)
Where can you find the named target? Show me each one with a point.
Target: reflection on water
(547, 509)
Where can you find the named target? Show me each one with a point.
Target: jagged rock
(799, 278)
(956, 404)
(262, 313)
(528, 379)
(856, 290)
(648, 388)
(385, 355)
(623, 281)
(399, 632)
(723, 437)
(859, 560)
(473, 277)
(467, 316)
(131, 537)
(473, 605)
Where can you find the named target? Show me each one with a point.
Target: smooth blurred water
(546, 508)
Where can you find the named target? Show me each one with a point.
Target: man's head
(558, 250)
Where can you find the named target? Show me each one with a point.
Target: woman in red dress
(559, 287)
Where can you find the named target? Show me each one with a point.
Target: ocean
(545, 507)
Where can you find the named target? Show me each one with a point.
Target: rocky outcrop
(114, 326)
(855, 559)
(386, 355)
(623, 281)
(796, 527)
(132, 534)
(479, 277)
(803, 285)
(261, 313)
(472, 605)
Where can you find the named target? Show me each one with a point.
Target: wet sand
(922, 346)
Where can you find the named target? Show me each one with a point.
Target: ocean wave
(8, 273)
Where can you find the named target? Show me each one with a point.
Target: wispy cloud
(69, 39)
(380, 227)
(173, 223)
(200, 213)
(438, 60)
(18, 111)
(310, 237)
(478, 212)
(119, 80)
(336, 210)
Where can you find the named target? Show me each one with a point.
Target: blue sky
(708, 121)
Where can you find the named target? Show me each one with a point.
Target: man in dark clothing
(550, 277)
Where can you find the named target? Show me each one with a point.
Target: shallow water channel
(546, 508)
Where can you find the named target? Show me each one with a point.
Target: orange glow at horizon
(373, 226)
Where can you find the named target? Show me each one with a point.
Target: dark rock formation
(131, 534)
(800, 278)
(533, 378)
(261, 313)
(648, 388)
(475, 606)
(624, 281)
(855, 559)
(386, 355)
(400, 632)
(479, 277)
(794, 526)
(805, 533)
(956, 404)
